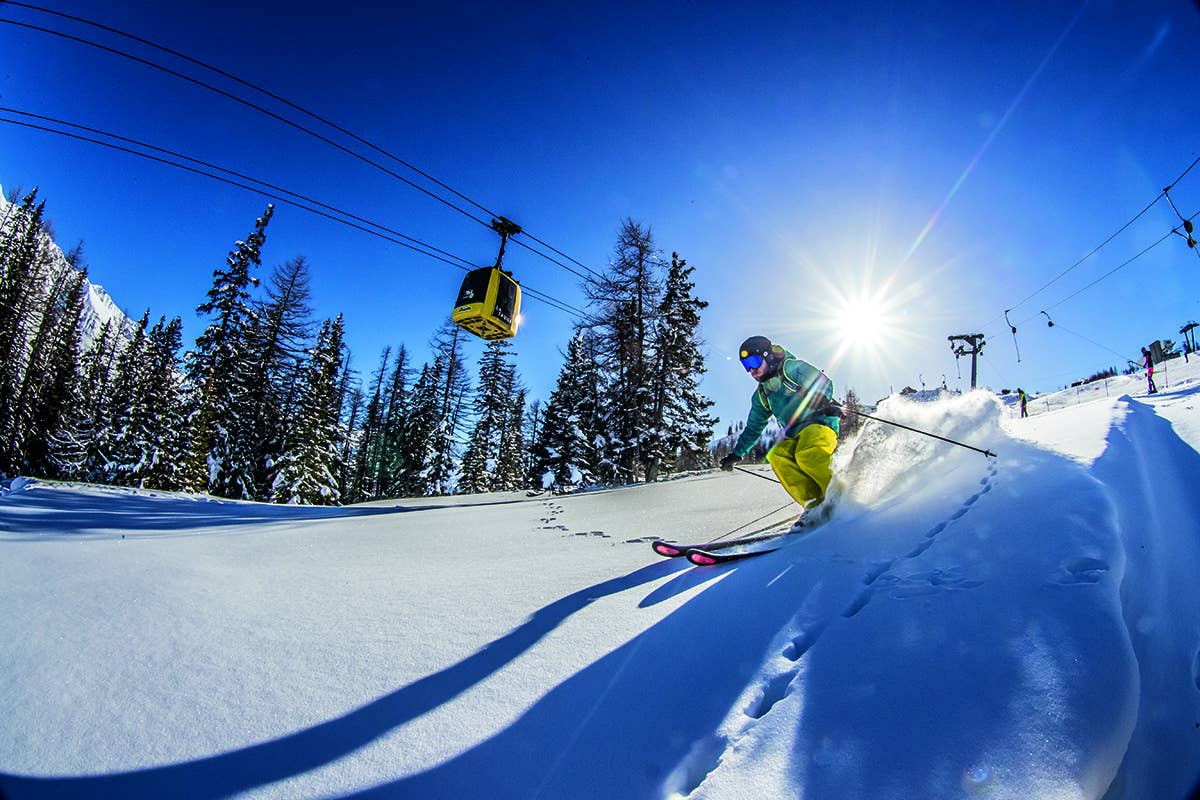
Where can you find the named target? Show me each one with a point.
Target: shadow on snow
(297, 753)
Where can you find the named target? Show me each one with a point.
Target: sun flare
(861, 320)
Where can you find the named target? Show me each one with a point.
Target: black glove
(728, 461)
(832, 409)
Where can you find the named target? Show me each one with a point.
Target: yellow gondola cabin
(489, 304)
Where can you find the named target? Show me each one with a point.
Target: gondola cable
(294, 106)
(298, 200)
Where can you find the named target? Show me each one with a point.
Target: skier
(1148, 363)
(1024, 400)
(799, 396)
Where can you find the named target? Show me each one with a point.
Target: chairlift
(489, 300)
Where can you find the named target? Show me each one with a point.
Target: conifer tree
(22, 306)
(850, 423)
(531, 433)
(97, 366)
(309, 465)
(625, 302)
(453, 391)
(368, 471)
(512, 463)
(418, 449)
(567, 452)
(59, 432)
(684, 427)
(122, 438)
(218, 374)
(161, 421)
(280, 329)
(493, 415)
(393, 446)
(349, 400)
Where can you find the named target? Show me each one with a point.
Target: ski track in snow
(882, 574)
(776, 685)
(550, 522)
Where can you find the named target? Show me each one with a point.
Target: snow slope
(1018, 627)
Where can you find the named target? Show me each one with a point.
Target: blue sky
(855, 181)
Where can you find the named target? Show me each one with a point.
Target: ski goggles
(752, 361)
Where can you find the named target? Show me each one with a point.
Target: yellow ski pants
(803, 463)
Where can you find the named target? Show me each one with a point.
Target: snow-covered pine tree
(531, 433)
(392, 449)
(280, 328)
(684, 427)
(164, 431)
(417, 449)
(512, 463)
(57, 441)
(566, 454)
(625, 300)
(369, 456)
(454, 392)
(309, 465)
(123, 437)
(97, 378)
(493, 412)
(351, 403)
(850, 423)
(22, 305)
(217, 371)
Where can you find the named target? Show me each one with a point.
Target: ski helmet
(754, 352)
(755, 346)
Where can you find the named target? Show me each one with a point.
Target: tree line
(265, 405)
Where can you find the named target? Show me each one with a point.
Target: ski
(708, 555)
(672, 550)
(708, 558)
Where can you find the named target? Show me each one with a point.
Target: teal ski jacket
(795, 395)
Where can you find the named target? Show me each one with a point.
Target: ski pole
(740, 528)
(757, 475)
(845, 410)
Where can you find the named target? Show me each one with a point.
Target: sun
(862, 319)
(866, 324)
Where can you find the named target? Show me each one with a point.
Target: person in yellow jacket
(800, 397)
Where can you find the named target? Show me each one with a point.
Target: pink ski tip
(703, 560)
(664, 549)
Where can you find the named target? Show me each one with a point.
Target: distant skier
(798, 395)
(1148, 363)
(1024, 400)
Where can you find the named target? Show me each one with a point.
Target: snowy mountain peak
(99, 306)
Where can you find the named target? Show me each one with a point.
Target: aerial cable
(1122, 265)
(261, 90)
(1190, 167)
(254, 106)
(1093, 251)
(1114, 235)
(236, 174)
(298, 201)
(1188, 228)
(1094, 342)
(298, 108)
(576, 273)
(1013, 328)
(256, 189)
(561, 253)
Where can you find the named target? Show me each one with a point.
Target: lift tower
(969, 344)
